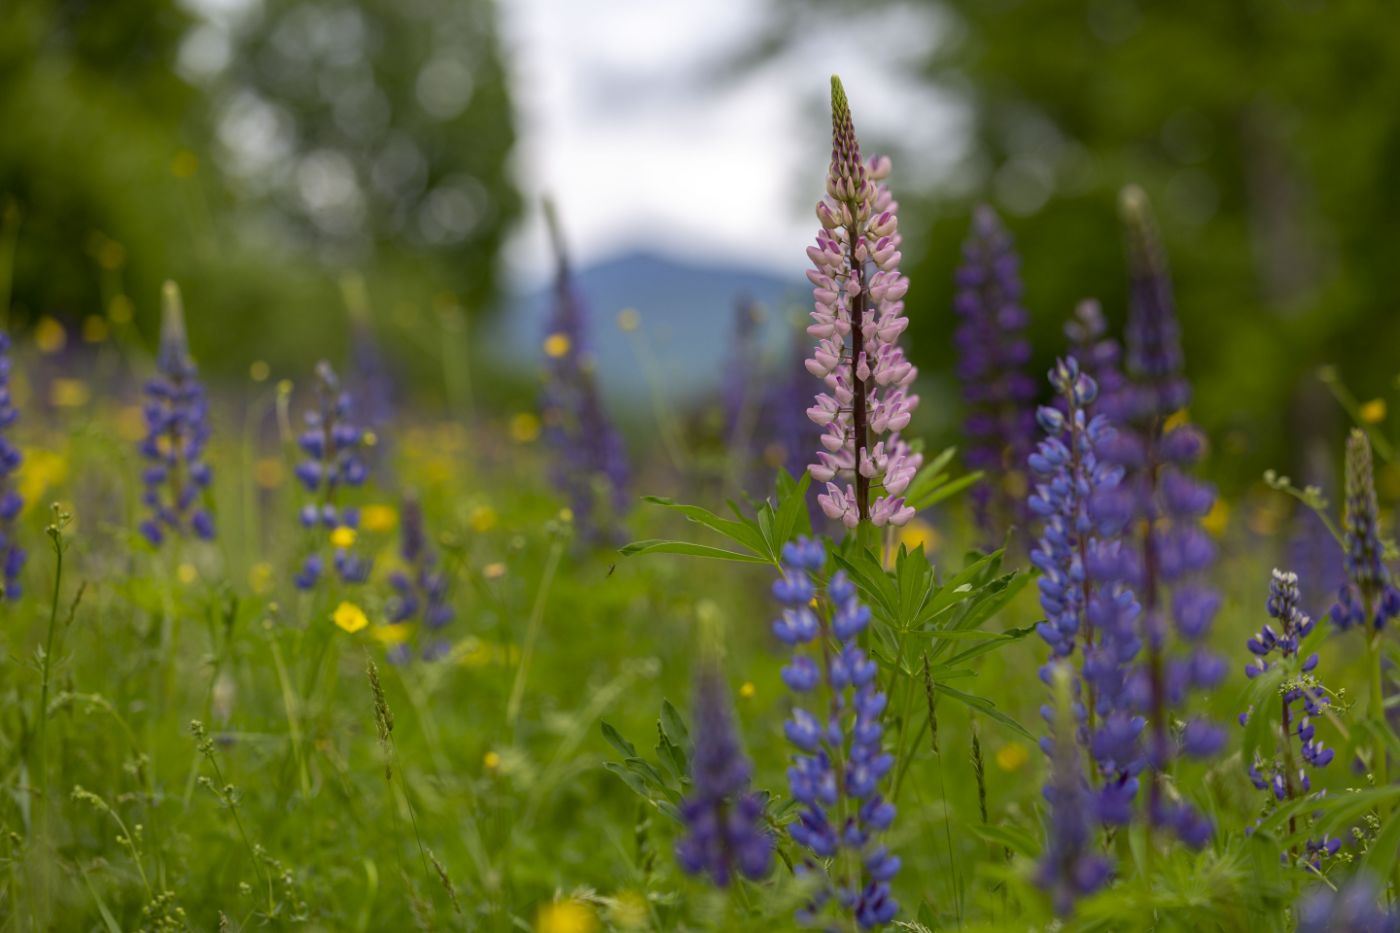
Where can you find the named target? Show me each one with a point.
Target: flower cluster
(1070, 868)
(1158, 496)
(992, 356)
(836, 775)
(724, 831)
(333, 445)
(1098, 354)
(11, 554)
(1369, 598)
(1080, 558)
(177, 430)
(590, 461)
(420, 589)
(857, 319)
(1284, 777)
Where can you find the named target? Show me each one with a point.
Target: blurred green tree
(1264, 130)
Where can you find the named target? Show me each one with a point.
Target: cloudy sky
(627, 119)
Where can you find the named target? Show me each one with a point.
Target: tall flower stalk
(857, 319)
(724, 831)
(1088, 608)
(177, 429)
(1286, 774)
(840, 762)
(333, 447)
(590, 463)
(1157, 447)
(1369, 599)
(992, 355)
(12, 554)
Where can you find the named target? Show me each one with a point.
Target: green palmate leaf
(870, 578)
(616, 740)
(630, 778)
(984, 706)
(914, 580)
(957, 589)
(792, 517)
(743, 533)
(689, 549)
(945, 491)
(994, 642)
(672, 726)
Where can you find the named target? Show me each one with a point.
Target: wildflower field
(311, 638)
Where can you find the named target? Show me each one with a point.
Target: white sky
(622, 122)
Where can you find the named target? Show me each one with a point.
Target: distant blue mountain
(687, 313)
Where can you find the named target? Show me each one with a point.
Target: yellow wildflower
(566, 515)
(260, 577)
(258, 371)
(483, 518)
(556, 345)
(69, 393)
(568, 916)
(1012, 757)
(524, 427)
(379, 518)
(95, 329)
(919, 532)
(343, 537)
(186, 573)
(1218, 518)
(747, 690)
(491, 760)
(629, 319)
(1373, 412)
(494, 571)
(349, 617)
(49, 335)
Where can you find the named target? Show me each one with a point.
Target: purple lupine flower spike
(1284, 775)
(1161, 499)
(835, 776)
(724, 831)
(12, 555)
(333, 445)
(1087, 606)
(1369, 598)
(420, 590)
(743, 377)
(369, 376)
(589, 456)
(1354, 908)
(992, 355)
(1070, 868)
(177, 429)
(857, 320)
(1099, 355)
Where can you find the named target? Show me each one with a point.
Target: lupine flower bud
(992, 356)
(589, 457)
(332, 444)
(835, 778)
(177, 429)
(857, 319)
(11, 554)
(420, 590)
(1369, 598)
(724, 831)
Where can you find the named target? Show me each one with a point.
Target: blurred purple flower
(992, 356)
(724, 830)
(588, 451)
(11, 502)
(419, 586)
(177, 429)
(1369, 598)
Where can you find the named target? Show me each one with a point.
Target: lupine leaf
(986, 707)
(740, 532)
(688, 549)
(616, 740)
